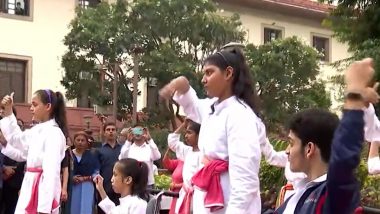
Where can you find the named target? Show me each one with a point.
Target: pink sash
(185, 207)
(32, 206)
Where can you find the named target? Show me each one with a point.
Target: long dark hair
(139, 173)
(243, 85)
(195, 127)
(58, 106)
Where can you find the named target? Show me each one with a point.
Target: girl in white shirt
(229, 129)
(192, 157)
(129, 179)
(42, 147)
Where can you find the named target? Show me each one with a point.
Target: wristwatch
(354, 96)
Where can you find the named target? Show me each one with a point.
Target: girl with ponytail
(129, 179)
(227, 181)
(42, 147)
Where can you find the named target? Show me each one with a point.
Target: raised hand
(370, 94)
(7, 103)
(179, 84)
(98, 180)
(181, 127)
(146, 135)
(359, 74)
(129, 135)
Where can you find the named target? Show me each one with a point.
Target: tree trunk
(135, 87)
(114, 99)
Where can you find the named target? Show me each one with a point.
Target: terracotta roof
(305, 4)
(301, 8)
(75, 118)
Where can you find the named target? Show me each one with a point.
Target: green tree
(99, 36)
(178, 35)
(355, 21)
(175, 36)
(286, 72)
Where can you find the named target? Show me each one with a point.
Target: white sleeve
(107, 205)
(273, 157)
(155, 155)
(13, 134)
(372, 125)
(177, 146)
(244, 162)
(14, 154)
(53, 154)
(193, 107)
(374, 166)
(125, 150)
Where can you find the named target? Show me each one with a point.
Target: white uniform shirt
(42, 146)
(372, 134)
(229, 133)
(192, 163)
(147, 152)
(128, 205)
(374, 166)
(372, 125)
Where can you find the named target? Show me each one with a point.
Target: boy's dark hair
(108, 124)
(316, 126)
(139, 173)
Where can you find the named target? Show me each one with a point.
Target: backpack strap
(304, 196)
(321, 201)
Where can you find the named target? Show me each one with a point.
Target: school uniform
(229, 132)
(43, 148)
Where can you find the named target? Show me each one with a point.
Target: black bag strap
(304, 196)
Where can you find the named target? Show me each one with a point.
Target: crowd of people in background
(83, 160)
(216, 169)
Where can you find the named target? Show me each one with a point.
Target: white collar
(50, 122)
(219, 106)
(141, 146)
(125, 199)
(305, 183)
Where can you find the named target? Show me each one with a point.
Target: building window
(12, 78)
(271, 34)
(322, 44)
(15, 7)
(84, 3)
(88, 3)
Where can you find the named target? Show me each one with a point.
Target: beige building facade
(32, 33)
(265, 20)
